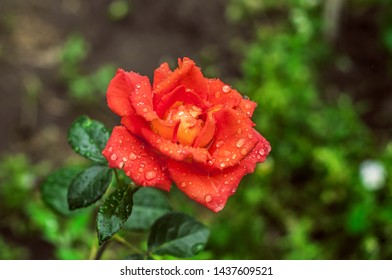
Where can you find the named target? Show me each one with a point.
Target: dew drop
(120, 141)
(240, 142)
(217, 94)
(141, 170)
(218, 208)
(208, 198)
(138, 86)
(234, 156)
(226, 182)
(220, 144)
(110, 149)
(183, 184)
(226, 89)
(150, 175)
(248, 106)
(145, 110)
(250, 136)
(245, 97)
(132, 156)
(121, 164)
(233, 190)
(222, 164)
(113, 157)
(124, 159)
(262, 152)
(239, 131)
(244, 152)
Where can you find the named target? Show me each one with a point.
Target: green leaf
(89, 186)
(88, 138)
(148, 205)
(177, 234)
(113, 213)
(55, 187)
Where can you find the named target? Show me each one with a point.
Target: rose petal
(173, 80)
(124, 151)
(118, 94)
(221, 93)
(194, 79)
(212, 189)
(248, 107)
(141, 97)
(140, 127)
(161, 73)
(235, 138)
(257, 155)
(207, 133)
(179, 94)
(209, 189)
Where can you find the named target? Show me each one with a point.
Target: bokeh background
(321, 72)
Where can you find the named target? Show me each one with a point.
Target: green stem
(117, 178)
(100, 250)
(126, 243)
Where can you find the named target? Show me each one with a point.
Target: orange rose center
(186, 125)
(190, 124)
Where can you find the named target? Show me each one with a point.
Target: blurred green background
(320, 72)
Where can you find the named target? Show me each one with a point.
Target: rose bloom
(185, 128)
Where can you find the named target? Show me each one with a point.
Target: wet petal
(173, 80)
(140, 127)
(118, 93)
(207, 133)
(221, 93)
(179, 94)
(161, 73)
(209, 189)
(124, 151)
(141, 97)
(247, 107)
(234, 139)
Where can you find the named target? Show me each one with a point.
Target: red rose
(186, 129)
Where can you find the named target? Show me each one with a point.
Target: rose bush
(184, 128)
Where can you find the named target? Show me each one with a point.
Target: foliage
(308, 201)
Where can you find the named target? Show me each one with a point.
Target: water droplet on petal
(141, 170)
(110, 149)
(120, 141)
(208, 198)
(226, 182)
(220, 144)
(132, 156)
(240, 142)
(121, 165)
(233, 190)
(262, 152)
(217, 94)
(113, 157)
(150, 175)
(124, 159)
(226, 89)
(183, 184)
(250, 136)
(234, 156)
(244, 152)
(222, 164)
(239, 131)
(145, 110)
(137, 86)
(218, 208)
